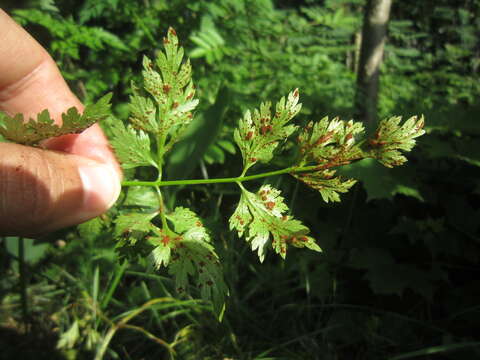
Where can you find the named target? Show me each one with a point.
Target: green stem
(237, 179)
(162, 209)
(23, 278)
(160, 152)
(113, 286)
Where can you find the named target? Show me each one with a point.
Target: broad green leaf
(261, 218)
(141, 197)
(33, 131)
(259, 133)
(33, 250)
(131, 146)
(382, 183)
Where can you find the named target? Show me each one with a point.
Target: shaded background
(399, 275)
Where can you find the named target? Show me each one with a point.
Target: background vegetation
(398, 277)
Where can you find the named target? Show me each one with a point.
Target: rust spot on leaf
(165, 240)
(270, 205)
(166, 88)
(249, 135)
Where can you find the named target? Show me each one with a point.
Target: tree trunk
(374, 31)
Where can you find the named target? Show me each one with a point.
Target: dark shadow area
(34, 345)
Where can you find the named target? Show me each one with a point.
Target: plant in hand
(161, 109)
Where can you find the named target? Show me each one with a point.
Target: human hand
(70, 179)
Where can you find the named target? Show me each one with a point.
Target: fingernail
(101, 186)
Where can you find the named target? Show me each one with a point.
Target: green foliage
(33, 131)
(396, 277)
(160, 115)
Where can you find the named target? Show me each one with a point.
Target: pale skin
(70, 179)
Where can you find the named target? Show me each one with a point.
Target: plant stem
(114, 284)
(23, 278)
(160, 152)
(237, 179)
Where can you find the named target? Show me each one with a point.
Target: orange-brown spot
(165, 240)
(166, 88)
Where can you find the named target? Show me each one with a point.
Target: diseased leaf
(329, 143)
(262, 219)
(131, 146)
(33, 131)
(166, 109)
(326, 183)
(259, 133)
(125, 224)
(391, 139)
(190, 256)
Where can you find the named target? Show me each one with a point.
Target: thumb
(43, 190)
